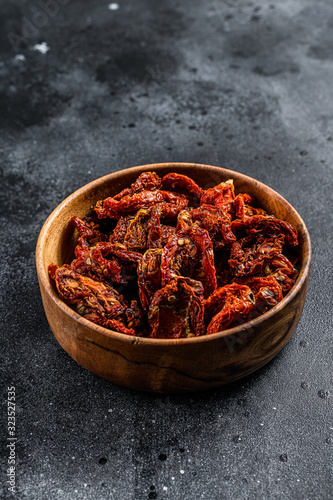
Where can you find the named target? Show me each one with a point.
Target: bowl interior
(57, 239)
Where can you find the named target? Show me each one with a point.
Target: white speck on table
(43, 48)
(19, 57)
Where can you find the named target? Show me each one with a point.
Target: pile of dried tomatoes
(165, 258)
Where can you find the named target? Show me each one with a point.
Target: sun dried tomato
(110, 207)
(96, 263)
(221, 196)
(147, 181)
(213, 220)
(190, 253)
(284, 272)
(144, 229)
(92, 262)
(136, 233)
(89, 231)
(149, 275)
(121, 252)
(177, 310)
(184, 220)
(268, 225)
(184, 185)
(250, 255)
(158, 233)
(242, 208)
(154, 236)
(93, 300)
(267, 292)
(166, 233)
(228, 306)
(119, 232)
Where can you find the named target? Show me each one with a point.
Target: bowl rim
(48, 288)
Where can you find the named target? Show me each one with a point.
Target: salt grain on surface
(43, 48)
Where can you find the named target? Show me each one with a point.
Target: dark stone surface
(244, 85)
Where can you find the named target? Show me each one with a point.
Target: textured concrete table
(88, 88)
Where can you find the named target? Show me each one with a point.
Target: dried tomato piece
(144, 229)
(136, 233)
(149, 275)
(154, 236)
(190, 253)
(267, 224)
(119, 232)
(147, 181)
(177, 310)
(184, 220)
(170, 211)
(89, 231)
(94, 300)
(113, 208)
(267, 292)
(134, 316)
(250, 255)
(213, 220)
(127, 259)
(215, 302)
(52, 270)
(242, 208)
(158, 234)
(93, 262)
(166, 233)
(184, 185)
(228, 306)
(283, 271)
(221, 196)
(121, 252)
(261, 256)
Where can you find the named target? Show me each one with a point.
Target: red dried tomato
(184, 185)
(110, 207)
(149, 275)
(242, 208)
(213, 220)
(250, 255)
(89, 231)
(267, 292)
(147, 181)
(268, 225)
(190, 253)
(177, 310)
(221, 196)
(228, 306)
(93, 300)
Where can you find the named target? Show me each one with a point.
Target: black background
(240, 84)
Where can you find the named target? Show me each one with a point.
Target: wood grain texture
(168, 365)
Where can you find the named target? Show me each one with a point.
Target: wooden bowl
(168, 365)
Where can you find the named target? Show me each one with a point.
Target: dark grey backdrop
(87, 89)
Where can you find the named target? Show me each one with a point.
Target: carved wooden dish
(168, 365)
